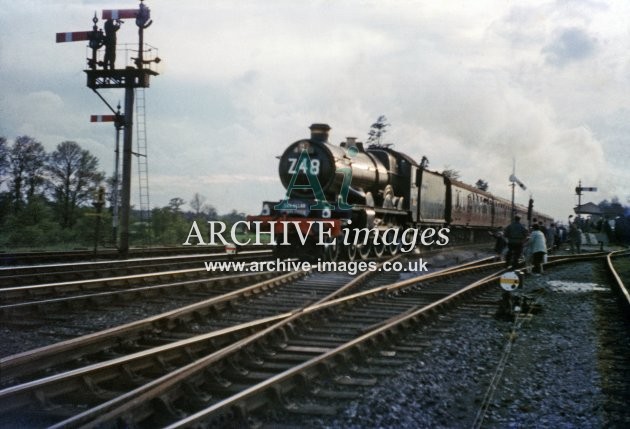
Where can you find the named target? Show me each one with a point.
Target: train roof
(387, 148)
(518, 207)
(471, 188)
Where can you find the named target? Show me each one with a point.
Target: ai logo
(311, 168)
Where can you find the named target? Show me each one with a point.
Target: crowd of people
(535, 243)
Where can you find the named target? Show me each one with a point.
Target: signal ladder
(143, 166)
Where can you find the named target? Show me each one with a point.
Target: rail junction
(247, 345)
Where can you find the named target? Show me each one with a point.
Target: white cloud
(472, 86)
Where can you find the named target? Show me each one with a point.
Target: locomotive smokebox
(319, 132)
(327, 163)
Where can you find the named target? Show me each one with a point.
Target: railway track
(57, 311)
(166, 354)
(395, 373)
(88, 270)
(50, 295)
(230, 308)
(129, 313)
(41, 257)
(621, 276)
(53, 392)
(228, 351)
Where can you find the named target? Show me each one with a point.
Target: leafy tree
(197, 203)
(111, 196)
(169, 225)
(4, 158)
(377, 130)
(451, 173)
(175, 203)
(33, 226)
(209, 211)
(27, 159)
(481, 184)
(5, 203)
(232, 217)
(74, 179)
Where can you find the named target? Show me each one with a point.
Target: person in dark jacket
(110, 43)
(499, 244)
(515, 234)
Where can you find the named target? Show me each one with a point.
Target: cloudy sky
(470, 85)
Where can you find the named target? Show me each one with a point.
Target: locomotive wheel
(379, 249)
(350, 251)
(364, 250)
(394, 247)
(331, 251)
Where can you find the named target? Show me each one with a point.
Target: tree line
(43, 195)
(49, 200)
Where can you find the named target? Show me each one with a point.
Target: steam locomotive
(336, 193)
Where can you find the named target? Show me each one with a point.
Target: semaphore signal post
(102, 73)
(119, 121)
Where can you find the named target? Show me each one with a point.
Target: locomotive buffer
(128, 78)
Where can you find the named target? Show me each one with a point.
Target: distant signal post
(119, 122)
(514, 180)
(579, 189)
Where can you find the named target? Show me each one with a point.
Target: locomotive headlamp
(326, 213)
(304, 146)
(266, 210)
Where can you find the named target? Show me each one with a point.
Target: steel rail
(329, 355)
(235, 402)
(36, 269)
(98, 269)
(11, 364)
(202, 282)
(22, 258)
(23, 363)
(23, 394)
(117, 281)
(621, 288)
(314, 307)
(121, 405)
(15, 365)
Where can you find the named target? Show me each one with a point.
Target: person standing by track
(537, 246)
(515, 234)
(551, 237)
(575, 237)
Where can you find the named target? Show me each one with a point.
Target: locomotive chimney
(319, 132)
